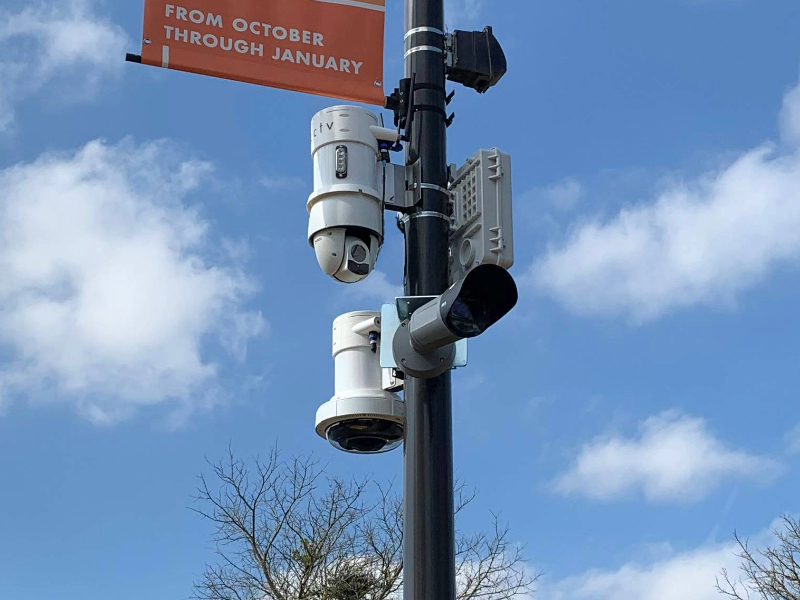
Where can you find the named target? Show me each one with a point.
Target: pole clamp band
(411, 51)
(430, 108)
(430, 86)
(425, 214)
(417, 30)
(433, 186)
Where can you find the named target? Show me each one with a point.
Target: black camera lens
(358, 253)
(467, 317)
(482, 298)
(366, 436)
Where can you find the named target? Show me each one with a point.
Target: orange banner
(324, 47)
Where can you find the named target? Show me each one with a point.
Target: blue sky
(158, 298)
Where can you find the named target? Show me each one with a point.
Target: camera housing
(345, 225)
(368, 425)
(482, 226)
(362, 417)
(476, 59)
(346, 255)
(423, 346)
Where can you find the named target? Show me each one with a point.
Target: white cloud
(59, 40)
(790, 116)
(793, 440)
(375, 287)
(673, 458)
(537, 404)
(563, 196)
(669, 575)
(701, 242)
(461, 12)
(683, 576)
(107, 292)
(282, 182)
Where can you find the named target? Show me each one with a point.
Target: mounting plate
(390, 323)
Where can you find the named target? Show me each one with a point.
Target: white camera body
(362, 417)
(345, 225)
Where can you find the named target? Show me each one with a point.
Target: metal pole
(429, 542)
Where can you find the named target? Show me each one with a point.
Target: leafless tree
(286, 531)
(770, 574)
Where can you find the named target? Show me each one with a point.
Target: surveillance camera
(423, 345)
(346, 256)
(345, 224)
(363, 425)
(362, 417)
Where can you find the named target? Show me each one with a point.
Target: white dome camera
(362, 417)
(345, 224)
(346, 257)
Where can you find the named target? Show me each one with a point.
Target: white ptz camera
(345, 224)
(346, 258)
(362, 417)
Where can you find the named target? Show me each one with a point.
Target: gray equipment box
(482, 227)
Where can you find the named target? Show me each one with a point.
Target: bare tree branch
(769, 574)
(285, 531)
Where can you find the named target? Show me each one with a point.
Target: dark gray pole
(429, 552)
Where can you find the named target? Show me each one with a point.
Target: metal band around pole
(425, 213)
(423, 30)
(423, 49)
(431, 186)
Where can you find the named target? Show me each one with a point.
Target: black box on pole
(478, 60)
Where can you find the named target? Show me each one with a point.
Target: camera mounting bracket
(393, 315)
